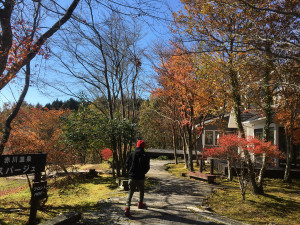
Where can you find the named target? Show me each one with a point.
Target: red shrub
(106, 153)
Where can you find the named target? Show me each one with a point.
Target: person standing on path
(138, 164)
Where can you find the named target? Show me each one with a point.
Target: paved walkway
(172, 201)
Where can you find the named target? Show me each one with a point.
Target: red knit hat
(140, 144)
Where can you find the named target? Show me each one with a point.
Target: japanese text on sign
(39, 190)
(12, 165)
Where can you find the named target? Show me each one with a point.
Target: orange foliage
(22, 45)
(179, 88)
(191, 86)
(39, 130)
(29, 47)
(284, 117)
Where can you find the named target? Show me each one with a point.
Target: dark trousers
(133, 185)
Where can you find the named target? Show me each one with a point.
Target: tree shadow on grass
(110, 181)
(98, 213)
(53, 210)
(14, 208)
(280, 206)
(73, 184)
(15, 212)
(2, 222)
(75, 188)
(19, 209)
(97, 180)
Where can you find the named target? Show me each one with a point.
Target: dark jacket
(138, 164)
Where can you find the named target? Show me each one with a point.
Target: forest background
(222, 56)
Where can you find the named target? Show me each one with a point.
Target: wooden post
(211, 166)
(34, 202)
(201, 163)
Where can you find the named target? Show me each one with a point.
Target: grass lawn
(80, 195)
(102, 166)
(279, 205)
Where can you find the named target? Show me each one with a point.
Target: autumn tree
(217, 32)
(233, 148)
(20, 43)
(9, 64)
(185, 99)
(158, 125)
(287, 111)
(155, 128)
(276, 44)
(38, 130)
(238, 33)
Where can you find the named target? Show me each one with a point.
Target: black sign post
(13, 165)
(34, 200)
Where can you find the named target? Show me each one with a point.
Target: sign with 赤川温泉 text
(13, 165)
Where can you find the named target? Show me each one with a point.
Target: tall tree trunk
(124, 159)
(251, 171)
(268, 112)
(196, 156)
(190, 148)
(122, 99)
(262, 173)
(120, 156)
(184, 152)
(6, 40)
(287, 172)
(110, 103)
(175, 145)
(289, 150)
(242, 180)
(12, 116)
(195, 148)
(237, 111)
(229, 170)
(115, 163)
(133, 91)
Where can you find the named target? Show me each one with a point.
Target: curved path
(172, 201)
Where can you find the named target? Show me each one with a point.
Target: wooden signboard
(13, 165)
(39, 190)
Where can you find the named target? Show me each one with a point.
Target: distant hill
(71, 104)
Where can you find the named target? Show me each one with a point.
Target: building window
(217, 135)
(209, 137)
(272, 134)
(259, 133)
(282, 139)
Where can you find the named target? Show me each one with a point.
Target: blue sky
(157, 32)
